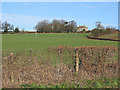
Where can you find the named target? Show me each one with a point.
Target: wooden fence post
(12, 76)
(77, 59)
(11, 58)
(11, 62)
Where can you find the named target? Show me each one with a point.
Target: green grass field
(113, 36)
(14, 42)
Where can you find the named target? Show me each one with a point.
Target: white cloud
(30, 19)
(19, 18)
(22, 21)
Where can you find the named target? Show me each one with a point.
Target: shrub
(98, 32)
(88, 31)
(110, 30)
(94, 59)
(96, 55)
(16, 30)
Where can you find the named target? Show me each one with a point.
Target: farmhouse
(82, 28)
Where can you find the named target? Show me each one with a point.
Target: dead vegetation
(17, 70)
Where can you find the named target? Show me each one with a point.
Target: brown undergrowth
(36, 70)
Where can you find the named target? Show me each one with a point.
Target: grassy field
(100, 82)
(14, 42)
(113, 36)
(23, 43)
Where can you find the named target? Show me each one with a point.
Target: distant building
(2, 30)
(82, 28)
(10, 30)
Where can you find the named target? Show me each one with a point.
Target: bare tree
(56, 26)
(6, 26)
(42, 26)
(99, 26)
(23, 30)
(16, 30)
(72, 26)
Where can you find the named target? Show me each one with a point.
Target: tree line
(7, 26)
(59, 26)
(101, 30)
(56, 26)
(45, 26)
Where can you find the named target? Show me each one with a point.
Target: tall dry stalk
(77, 60)
(11, 58)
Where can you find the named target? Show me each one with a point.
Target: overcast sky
(27, 14)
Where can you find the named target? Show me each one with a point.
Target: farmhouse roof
(82, 26)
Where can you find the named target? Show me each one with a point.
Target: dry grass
(32, 69)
